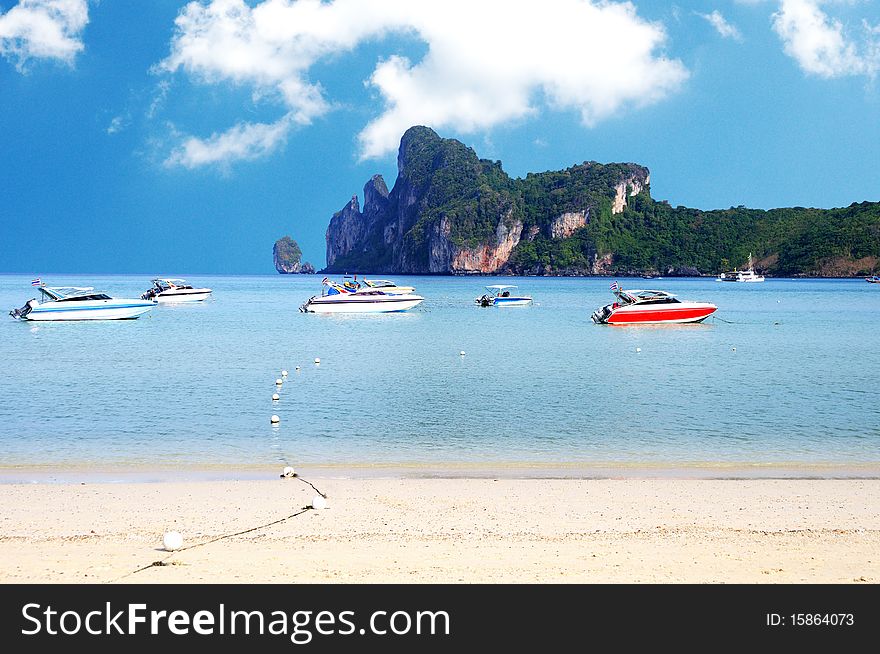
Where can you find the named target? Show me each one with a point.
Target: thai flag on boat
(615, 286)
(36, 282)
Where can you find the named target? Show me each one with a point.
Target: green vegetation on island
(451, 212)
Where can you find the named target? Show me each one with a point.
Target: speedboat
(175, 290)
(741, 275)
(337, 299)
(499, 296)
(639, 307)
(873, 279)
(80, 303)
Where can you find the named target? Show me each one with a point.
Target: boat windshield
(645, 297)
(166, 284)
(71, 294)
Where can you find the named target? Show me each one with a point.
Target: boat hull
(92, 310)
(358, 303)
(197, 295)
(685, 312)
(511, 301)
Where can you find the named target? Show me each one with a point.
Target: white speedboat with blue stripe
(80, 303)
(499, 295)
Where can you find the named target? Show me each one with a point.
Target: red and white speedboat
(638, 307)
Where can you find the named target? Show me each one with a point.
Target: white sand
(447, 530)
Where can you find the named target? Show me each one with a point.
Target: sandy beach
(446, 530)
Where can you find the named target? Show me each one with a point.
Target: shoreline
(137, 473)
(445, 531)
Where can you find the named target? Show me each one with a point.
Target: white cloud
(159, 96)
(725, 29)
(242, 142)
(820, 44)
(43, 29)
(118, 124)
(488, 62)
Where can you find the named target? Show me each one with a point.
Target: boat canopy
(70, 293)
(638, 295)
(61, 292)
(500, 287)
(379, 282)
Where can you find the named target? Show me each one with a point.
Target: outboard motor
(600, 316)
(20, 314)
(485, 301)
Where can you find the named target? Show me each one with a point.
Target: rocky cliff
(287, 257)
(450, 212)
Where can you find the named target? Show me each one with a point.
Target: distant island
(287, 256)
(450, 212)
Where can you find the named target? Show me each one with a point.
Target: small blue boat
(499, 295)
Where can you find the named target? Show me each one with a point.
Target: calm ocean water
(191, 386)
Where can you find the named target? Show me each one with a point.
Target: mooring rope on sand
(163, 562)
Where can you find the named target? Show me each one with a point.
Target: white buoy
(275, 397)
(172, 540)
(287, 472)
(317, 360)
(733, 349)
(461, 354)
(638, 349)
(284, 373)
(297, 368)
(319, 502)
(275, 419)
(278, 382)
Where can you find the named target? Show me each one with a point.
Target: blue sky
(166, 137)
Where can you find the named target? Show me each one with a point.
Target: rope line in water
(737, 322)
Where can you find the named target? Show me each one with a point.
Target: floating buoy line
(172, 541)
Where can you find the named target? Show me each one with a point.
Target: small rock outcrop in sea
(450, 212)
(286, 256)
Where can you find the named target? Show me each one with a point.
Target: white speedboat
(337, 299)
(175, 290)
(735, 275)
(499, 295)
(80, 303)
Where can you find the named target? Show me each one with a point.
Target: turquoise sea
(786, 377)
